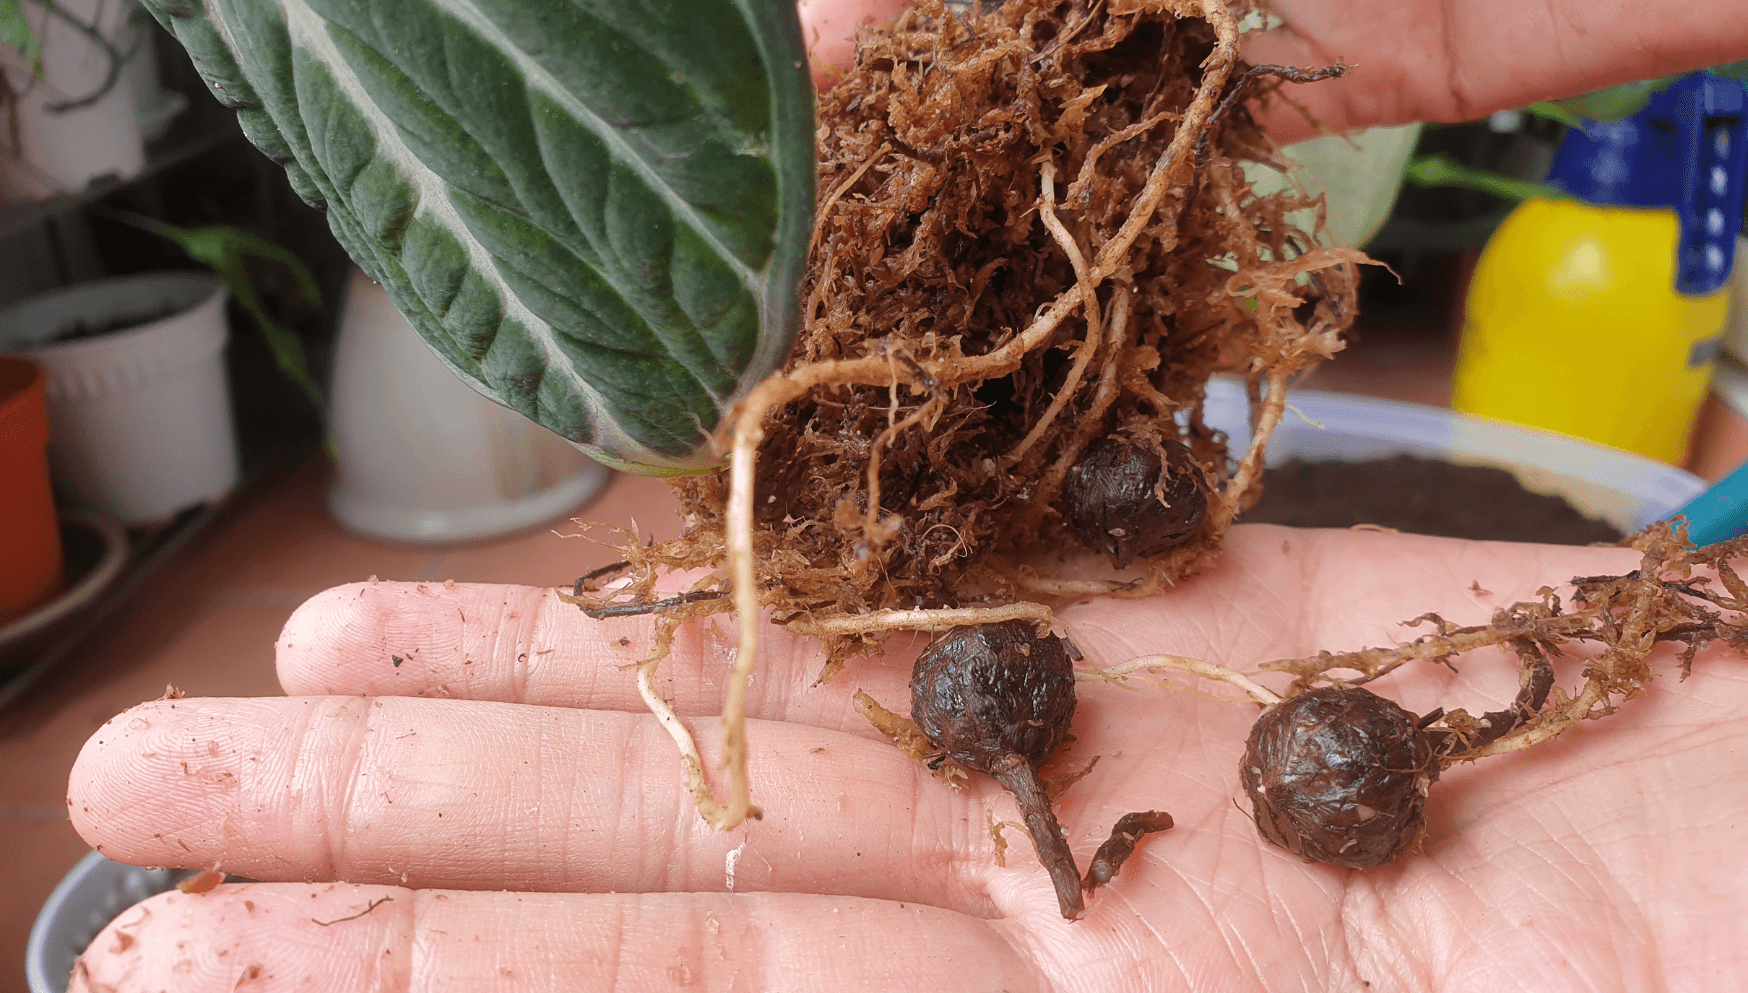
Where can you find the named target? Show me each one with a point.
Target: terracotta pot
(31, 569)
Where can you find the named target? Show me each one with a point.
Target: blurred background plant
(15, 30)
(225, 250)
(202, 198)
(25, 38)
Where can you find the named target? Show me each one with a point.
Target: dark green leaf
(595, 211)
(1732, 70)
(1556, 113)
(1615, 102)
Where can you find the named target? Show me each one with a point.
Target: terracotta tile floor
(206, 622)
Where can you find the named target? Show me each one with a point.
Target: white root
(1207, 670)
(1218, 68)
(1089, 308)
(749, 430)
(692, 764)
(1104, 392)
(1274, 405)
(940, 619)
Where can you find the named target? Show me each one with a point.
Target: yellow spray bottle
(1600, 315)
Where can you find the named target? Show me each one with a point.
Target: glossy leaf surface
(596, 211)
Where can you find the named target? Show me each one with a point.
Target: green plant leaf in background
(1358, 174)
(595, 211)
(223, 249)
(1611, 104)
(1615, 103)
(15, 31)
(1442, 170)
(1553, 111)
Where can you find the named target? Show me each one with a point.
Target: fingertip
(1331, 106)
(388, 638)
(80, 778)
(240, 935)
(828, 30)
(304, 653)
(123, 786)
(89, 783)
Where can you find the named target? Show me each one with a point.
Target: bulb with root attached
(1339, 775)
(997, 698)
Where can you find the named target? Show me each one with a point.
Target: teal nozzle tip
(1721, 512)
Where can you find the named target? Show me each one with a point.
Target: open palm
(476, 767)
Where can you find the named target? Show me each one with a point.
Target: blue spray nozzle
(1687, 149)
(1710, 208)
(1721, 512)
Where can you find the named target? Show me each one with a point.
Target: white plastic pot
(424, 458)
(141, 417)
(1622, 488)
(61, 151)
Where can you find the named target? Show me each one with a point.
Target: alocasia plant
(595, 211)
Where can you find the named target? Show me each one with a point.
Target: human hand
(506, 794)
(1426, 60)
(1432, 60)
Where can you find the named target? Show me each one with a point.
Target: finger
(475, 795)
(522, 644)
(1382, 88)
(342, 938)
(828, 29)
(1274, 593)
(1459, 62)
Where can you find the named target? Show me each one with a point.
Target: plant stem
(1020, 779)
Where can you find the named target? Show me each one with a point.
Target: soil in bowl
(1422, 496)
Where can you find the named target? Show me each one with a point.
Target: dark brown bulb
(1113, 501)
(1339, 776)
(986, 691)
(998, 698)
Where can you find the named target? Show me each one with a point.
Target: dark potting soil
(1422, 496)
